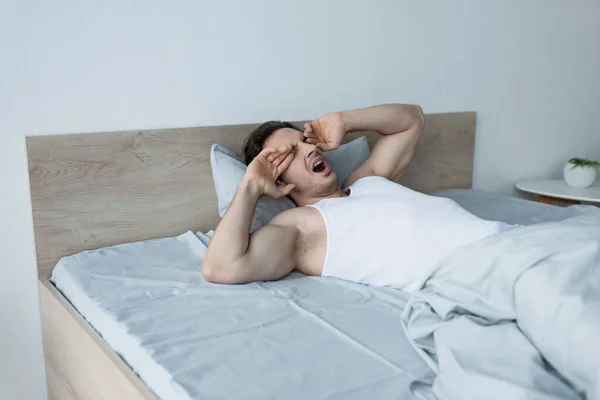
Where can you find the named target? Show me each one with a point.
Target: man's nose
(308, 148)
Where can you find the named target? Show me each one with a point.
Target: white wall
(529, 68)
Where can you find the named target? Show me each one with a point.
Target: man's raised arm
(400, 125)
(234, 256)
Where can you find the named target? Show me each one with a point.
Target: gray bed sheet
(298, 338)
(512, 210)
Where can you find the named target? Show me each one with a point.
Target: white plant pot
(579, 177)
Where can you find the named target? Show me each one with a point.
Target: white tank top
(388, 235)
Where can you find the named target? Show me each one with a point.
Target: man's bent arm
(230, 240)
(235, 256)
(387, 119)
(401, 126)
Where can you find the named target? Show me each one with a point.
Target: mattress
(298, 338)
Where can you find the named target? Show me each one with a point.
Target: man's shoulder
(296, 217)
(292, 215)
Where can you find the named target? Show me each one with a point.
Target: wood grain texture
(444, 156)
(100, 189)
(79, 363)
(553, 200)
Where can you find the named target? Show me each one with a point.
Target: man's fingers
(273, 156)
(278, 152)
(266, 151)
(284, 149)
(309, 129)
(312, 140)
(287, 189)
(285, 163)
(280, 157)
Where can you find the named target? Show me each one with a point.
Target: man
(375, 231)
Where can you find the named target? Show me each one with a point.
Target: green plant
(582, 162)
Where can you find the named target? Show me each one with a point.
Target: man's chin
(328, 181)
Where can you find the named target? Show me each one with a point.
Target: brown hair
(255, 141)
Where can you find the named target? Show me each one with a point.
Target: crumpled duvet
(514, 316)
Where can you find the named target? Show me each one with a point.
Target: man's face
(309, 170)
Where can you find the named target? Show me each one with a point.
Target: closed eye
(295, 150)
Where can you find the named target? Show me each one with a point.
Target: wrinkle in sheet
(352, 341)
(343, 392)
(204, 337)
(553, 354)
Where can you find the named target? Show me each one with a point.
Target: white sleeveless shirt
(388, 235)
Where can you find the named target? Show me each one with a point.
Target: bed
(92, 191)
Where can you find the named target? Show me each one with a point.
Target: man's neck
(312, 200)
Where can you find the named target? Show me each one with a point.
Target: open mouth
(319, 165)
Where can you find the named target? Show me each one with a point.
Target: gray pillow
(228, 171)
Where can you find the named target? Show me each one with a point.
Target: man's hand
(327, 132)
(264, 170)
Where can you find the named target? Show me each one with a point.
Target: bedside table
(557, 190)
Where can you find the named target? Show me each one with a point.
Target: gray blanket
(515, 316)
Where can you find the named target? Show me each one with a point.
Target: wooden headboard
(99, 189)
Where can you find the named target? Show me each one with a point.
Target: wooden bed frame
(100, 189)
